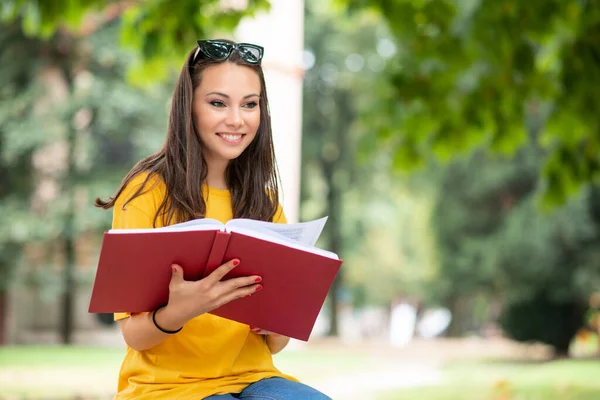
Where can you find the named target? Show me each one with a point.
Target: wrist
(167, 319)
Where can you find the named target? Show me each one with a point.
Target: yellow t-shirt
(210, 355)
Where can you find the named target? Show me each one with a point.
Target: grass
(503, 380)
(58, 356)
(68, 372)
(85, 356)
(59, 372)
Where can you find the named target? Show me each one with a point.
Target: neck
(215, 177)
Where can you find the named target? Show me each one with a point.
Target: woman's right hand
(189, 299)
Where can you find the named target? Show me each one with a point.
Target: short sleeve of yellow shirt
(210, 355)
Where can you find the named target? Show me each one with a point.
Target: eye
(252, 104)
(217, 103)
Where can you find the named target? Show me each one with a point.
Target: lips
(232, 138)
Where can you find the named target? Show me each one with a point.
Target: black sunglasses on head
(219, 50)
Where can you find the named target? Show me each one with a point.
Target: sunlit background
(453, 144)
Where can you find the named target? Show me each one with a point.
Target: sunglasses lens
(250, 54)
(217, 50)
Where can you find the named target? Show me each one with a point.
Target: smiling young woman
(217, 162)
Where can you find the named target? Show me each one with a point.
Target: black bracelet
(158, 327)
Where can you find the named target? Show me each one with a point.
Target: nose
(234, 119)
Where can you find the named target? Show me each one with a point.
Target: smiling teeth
(231, 137)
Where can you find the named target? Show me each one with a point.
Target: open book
(134, 269)
(301, 235)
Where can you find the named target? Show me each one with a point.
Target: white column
(281, 33)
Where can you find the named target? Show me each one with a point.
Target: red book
(134, 269)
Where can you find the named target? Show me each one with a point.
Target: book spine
(215, 259)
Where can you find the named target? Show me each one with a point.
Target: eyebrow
(227, 96)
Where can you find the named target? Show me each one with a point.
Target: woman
(217, 162)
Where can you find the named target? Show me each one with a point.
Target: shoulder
(138, 202)
(142, 195)
(143, 186)
(279, 216)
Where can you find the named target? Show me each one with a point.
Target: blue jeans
(274, 389)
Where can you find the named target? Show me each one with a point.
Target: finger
(238, 293)
(223, 270)
(260, 331)
(242, 282)
(177, 274)
(255, 329)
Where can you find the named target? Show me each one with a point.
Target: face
(226, 110)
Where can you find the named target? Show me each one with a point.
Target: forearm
(140, 333)
(277, 343)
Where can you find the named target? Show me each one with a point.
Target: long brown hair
(251, 178)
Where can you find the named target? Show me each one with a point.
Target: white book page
(197, 224)
(203, 224)
(305, 233)
(273, 237)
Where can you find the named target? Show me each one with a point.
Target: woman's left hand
(275, 341)
(259, 331)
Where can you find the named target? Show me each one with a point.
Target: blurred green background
(454, 145)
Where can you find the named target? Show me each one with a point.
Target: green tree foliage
(71, 124)
(115, 122)
(468, 72)
(159, 32)
(43, 18)
(16, 183)
(496, 246)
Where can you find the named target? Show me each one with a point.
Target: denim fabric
(274, 389)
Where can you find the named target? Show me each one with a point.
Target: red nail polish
(258, 279)
(258, 287)
(235, 263)
(174, 269)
